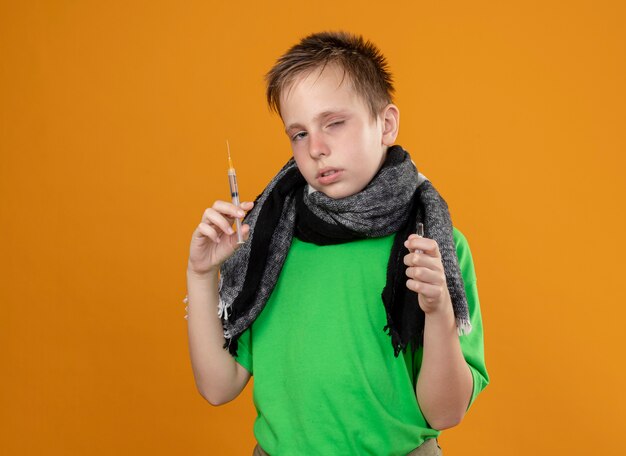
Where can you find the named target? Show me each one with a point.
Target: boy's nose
(317, 146)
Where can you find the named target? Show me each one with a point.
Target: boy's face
(336, 144)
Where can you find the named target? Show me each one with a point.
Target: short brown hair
(361, 61)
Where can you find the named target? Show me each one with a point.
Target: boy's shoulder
(458, 236)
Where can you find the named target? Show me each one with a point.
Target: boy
(332, 283)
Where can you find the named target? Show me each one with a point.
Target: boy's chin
(334, 192)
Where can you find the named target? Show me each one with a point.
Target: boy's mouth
(328, 175)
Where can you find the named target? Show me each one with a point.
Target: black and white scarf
(395, 201)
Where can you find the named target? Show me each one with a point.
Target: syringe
(234, 192)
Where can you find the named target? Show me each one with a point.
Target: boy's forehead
(332, 76)
(323, 91)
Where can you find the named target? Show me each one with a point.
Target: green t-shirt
(325, 377)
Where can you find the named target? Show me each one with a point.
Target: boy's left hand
(426, 274)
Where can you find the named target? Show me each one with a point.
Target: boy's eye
(298, 136)
(339, 122)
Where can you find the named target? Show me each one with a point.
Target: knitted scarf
(395, 201)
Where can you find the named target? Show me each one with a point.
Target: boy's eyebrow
(321, 115)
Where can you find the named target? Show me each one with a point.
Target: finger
(219, 208)
(412, 259)
(432, 263)
(247, 205)
(427, 290)
(413, 285)
(423, 274)
(215, 218)
(209, 232)
(410, 272)
(228, 209)
(245, 231)
(426, 245)
(425, 261)
(422, 242)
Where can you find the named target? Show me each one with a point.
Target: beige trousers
(430, 447)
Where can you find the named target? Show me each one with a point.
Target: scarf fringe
(222, 312)
(222, 307)
(463, 326)
(396, 341)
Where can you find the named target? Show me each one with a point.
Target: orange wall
(113, 121)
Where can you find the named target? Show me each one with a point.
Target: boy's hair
(360, 60)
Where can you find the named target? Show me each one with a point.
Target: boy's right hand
(214, 240)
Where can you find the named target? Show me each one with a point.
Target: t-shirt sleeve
(472, 344)
(244, 350)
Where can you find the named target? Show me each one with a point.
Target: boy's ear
(391, 124)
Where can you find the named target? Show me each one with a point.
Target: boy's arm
(219, 378)
(445, 382)
(451, 371)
